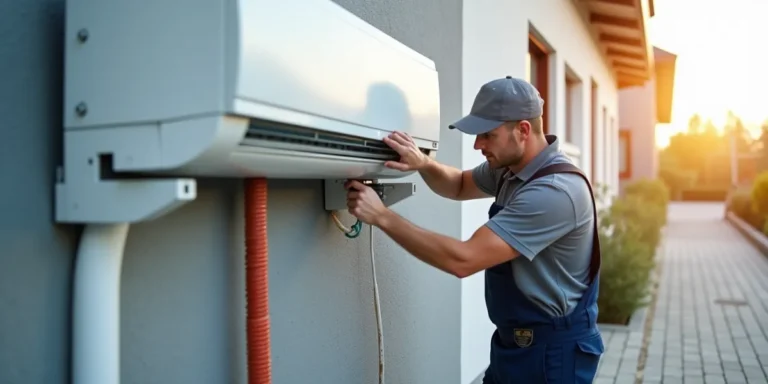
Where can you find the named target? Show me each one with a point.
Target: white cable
(339, 224)
(376, 300)
(377, 308)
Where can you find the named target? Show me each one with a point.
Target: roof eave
(620, 29)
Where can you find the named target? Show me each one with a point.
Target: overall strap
(596, 259)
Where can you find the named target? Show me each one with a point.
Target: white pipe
(96, 305)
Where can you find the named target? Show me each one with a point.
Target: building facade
(641, 107)
(182, 284)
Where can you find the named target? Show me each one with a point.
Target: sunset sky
(722, 62)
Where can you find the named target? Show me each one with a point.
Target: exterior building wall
(182, 303)
(637, 111)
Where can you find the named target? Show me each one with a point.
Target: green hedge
(751, 203)
(740, 203)
(704, 193)
(630, 231)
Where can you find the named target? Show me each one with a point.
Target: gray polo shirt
(550, 222)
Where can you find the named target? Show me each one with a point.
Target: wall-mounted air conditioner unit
(160, 93)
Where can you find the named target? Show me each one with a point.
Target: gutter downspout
(96, 304)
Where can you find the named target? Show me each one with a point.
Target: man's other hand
(364, 203)
(411, 158)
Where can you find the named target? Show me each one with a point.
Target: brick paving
(619, 363)
(711, 319)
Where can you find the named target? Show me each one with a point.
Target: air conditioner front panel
(315, 59)
(264, 159)
(287, 164)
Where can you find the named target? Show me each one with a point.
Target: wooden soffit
(665, 83)
(620, 28)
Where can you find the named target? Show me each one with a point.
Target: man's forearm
(442, 179)
(442, 252)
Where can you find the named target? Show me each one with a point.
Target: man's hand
(411, 158)
(364, 203)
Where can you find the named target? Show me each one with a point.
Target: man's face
(505, 145)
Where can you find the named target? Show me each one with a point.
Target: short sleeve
(536, 217)
(485, 178)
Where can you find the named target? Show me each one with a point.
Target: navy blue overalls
(529, 346)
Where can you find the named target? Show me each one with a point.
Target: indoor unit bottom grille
(269, 135)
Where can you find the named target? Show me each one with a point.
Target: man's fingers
(402, 139)
(353, 194)
(396, 165)
(406, 138)
(356, 185)
(394, 144)
(399, 138)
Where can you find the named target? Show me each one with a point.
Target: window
(573, 103)
(593, 132)
(537, 71)
(569, 85)
(625, 154)
(605, 153)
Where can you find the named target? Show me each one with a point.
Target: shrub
(759, 194)
(639, 219)
(740, 202)
(630, 231)
(704, 193)
(677, 180)
(652, 192)
(624, 279)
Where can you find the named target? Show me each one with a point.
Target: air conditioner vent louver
(295, 138)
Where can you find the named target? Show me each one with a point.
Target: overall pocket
(586, 358)
(511, 365)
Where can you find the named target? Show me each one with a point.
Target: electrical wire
(377, 308)
(353, 233)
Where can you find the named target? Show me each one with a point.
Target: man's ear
(525, 127)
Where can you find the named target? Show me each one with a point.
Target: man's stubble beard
(511, 162)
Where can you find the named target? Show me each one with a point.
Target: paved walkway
(710, 324)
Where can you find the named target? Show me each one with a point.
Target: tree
(762, 147)
(702, 153)
(694, 124)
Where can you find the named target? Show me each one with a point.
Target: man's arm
(450, 182)
(446, 181)
(539, 216)
(460, 258)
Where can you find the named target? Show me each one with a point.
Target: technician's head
(506, 119)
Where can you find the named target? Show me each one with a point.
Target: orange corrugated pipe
(257, 282)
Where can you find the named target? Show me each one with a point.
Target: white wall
(495, 43)
(637, 111)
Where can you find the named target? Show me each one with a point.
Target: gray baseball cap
(501, 100)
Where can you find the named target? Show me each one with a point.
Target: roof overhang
(620, 28)
(665, 83)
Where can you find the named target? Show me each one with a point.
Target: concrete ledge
(757, 238)
(636, 322)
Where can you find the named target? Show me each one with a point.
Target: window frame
(539, 56)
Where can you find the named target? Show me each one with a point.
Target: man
(541, 270)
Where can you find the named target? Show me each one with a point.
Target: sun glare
(722, 56)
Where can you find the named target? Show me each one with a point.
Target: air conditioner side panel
(141, 62)
(315, 58)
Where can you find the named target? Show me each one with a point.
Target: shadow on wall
(396, 114)
(37, 255)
